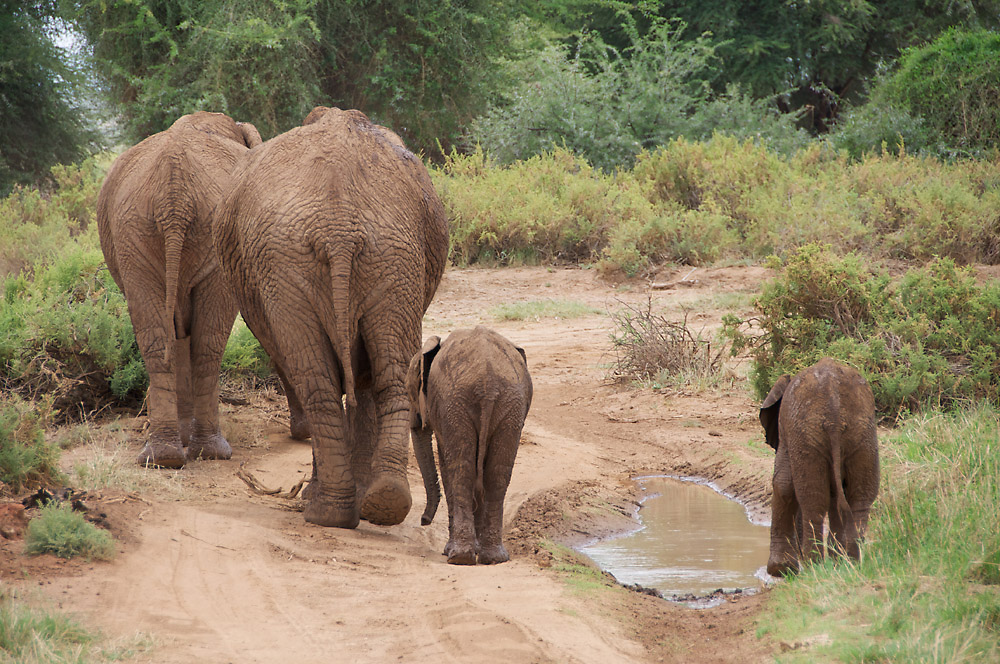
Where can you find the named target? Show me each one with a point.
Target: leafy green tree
(609, 105)
(41, 119)
(819, 50)
(422, 67)
(953, 84)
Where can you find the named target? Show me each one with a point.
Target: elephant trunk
(428, 469)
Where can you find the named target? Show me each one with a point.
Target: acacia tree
(419, 66)
(41, 121)
(811, 52)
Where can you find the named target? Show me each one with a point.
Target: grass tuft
(61, 531)
(536, 310)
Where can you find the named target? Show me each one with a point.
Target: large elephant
(334, 242)
(473, 392)
(154, 215)
(822, 425)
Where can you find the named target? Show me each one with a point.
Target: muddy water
(692, 541)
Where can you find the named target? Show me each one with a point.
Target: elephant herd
(331, 242)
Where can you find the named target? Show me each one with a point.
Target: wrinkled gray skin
(154, 219)
(334, 243)
(473, 392)
(822, 425)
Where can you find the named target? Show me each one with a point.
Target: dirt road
(223, 575)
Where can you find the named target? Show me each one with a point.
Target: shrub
(953, 83)
(648, 346)
(930, 340)
(61, 531)
(244, 360)
(26, 458)
(67, 333)
(881, 126)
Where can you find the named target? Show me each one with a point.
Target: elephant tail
(173, 247)
(341, 261)
(836, 457)
(485, 420)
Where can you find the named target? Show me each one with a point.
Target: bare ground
(224, 575)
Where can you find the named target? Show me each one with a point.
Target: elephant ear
(317, 114)
(770, 409)
(523, 356)
(427, 354)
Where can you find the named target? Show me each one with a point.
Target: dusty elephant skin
(822, 425)
(473, 393)
(334, 242)
(154, 219)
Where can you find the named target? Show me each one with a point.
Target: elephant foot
(781, 566)
(492, 555)
(299, 427)
(162, 455)
(387, 502)
(460, 555)
(209, 447)
(330, 513)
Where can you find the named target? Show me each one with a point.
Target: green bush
(67, 333)
(953, 84)
(925, 588)
(932, 339)
(61, 531)
(878, 125)
(244, 359)
(26, 459)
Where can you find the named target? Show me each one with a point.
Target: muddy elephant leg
(388, 350)
(784, 556)
(861, 479)
(163, 447)
(185, 402)
(812, 491)
(298, 423)
(457, 450)
(496, 478)
(213, 314)
(362, 432)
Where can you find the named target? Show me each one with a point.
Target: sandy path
(226, 576)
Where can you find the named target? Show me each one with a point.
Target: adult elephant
(334, 242)
(821, 423)
(154, 215)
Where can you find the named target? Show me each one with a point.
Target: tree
(812, 52)
(41, 119)
(421, 67)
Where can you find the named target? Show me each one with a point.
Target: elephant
(334, 243)
(473, 392)
(821, 423)
(154, 221)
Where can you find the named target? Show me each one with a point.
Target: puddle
(692, 541)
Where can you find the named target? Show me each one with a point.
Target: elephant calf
(822, 425)
(473, 392)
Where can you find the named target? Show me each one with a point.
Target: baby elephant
(473, 392)
(822, 425)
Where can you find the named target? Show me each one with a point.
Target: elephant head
(420, 428)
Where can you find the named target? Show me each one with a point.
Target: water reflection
(693, 541)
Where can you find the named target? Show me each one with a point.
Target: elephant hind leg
(785, 514)
(497, 470)
(457, 448)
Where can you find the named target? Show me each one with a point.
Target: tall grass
(30, 633)
(927, 588)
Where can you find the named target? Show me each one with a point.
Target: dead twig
(258, 488)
